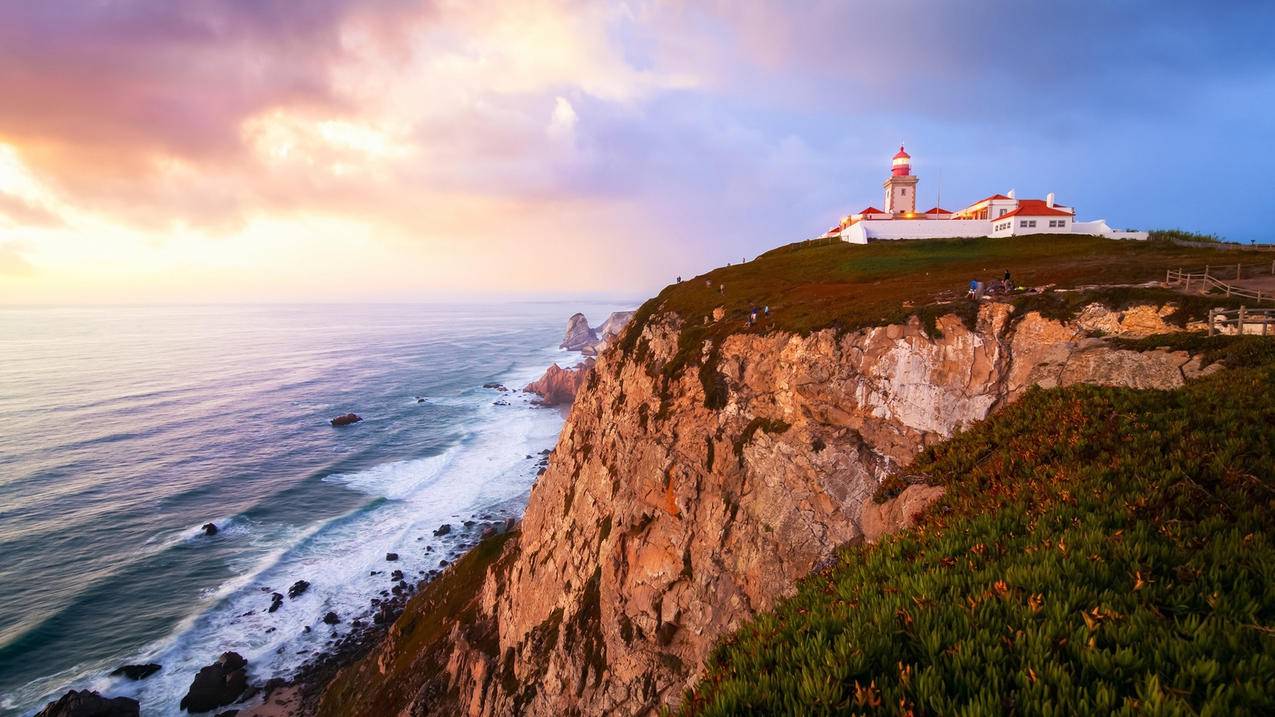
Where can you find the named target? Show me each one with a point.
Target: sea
(123, 430)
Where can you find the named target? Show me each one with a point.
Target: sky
(154, 151)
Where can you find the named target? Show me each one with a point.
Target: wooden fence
(1211, 278)
(1242, 319)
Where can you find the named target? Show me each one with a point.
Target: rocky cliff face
(661, 523)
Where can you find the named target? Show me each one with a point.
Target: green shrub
(1178, 235)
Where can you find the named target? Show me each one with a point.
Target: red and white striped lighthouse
(900, 186)
(902, 164)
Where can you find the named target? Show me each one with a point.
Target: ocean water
(123, 430)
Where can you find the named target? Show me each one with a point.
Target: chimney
(1010, 194)
(1049, 199)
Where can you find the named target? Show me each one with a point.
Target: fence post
(1211, 321)
(1237, 272)
(1241, 326)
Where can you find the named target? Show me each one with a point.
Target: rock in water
(84, 703)
(391, 556)
(558, 386)
(443, 529)
(346, 420)
(579, 335)
(136, 672)
(298, 588)
(276, 601)
(209, 529)
(219, 684)
(331, 619)
(614, 324)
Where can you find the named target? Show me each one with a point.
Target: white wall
(1042, 225)
(861, 232)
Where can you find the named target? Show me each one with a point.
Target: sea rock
(136, 672)
(578, 335)
(331, 619)
(614, 324)
(443, 529)
(276, 601)
(495, 386)
(210, 529)
(391, 556)
(222, 683)
(346, 420)
(298, 589)
(86, 703)
(558, 386)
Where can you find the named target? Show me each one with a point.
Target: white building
(1000, 215)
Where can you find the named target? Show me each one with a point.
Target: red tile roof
(1034, 208)
(870, 210)
(937, 210)
(988, 199)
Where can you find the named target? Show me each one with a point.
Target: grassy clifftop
(1098, 551)
(815, 285)
(811, 286)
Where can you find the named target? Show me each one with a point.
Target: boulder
(391, 556)
(578, 334)
(298, 589)
(346, 420)
(136, 672)
(443, 529)
(85, 703)
(276, 601)
(209, 529)
(331, 619)
(558, 386)
(222, 683)
(495, 386)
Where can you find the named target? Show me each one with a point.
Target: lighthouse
(900, 188)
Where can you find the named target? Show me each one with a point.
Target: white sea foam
(487, 472)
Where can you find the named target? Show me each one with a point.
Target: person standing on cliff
(1006, 282)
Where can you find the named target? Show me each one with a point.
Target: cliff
(669, 514)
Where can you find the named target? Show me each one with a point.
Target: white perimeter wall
(861, 232)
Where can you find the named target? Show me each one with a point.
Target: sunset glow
(392, 151)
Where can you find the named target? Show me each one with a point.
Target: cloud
(19, 211)
(12, 262)
(254, 137)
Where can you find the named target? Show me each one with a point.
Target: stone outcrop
(558, 386)
(222, 683)
(614, 324)
(670, 513)
(578, 335)
(84, 703)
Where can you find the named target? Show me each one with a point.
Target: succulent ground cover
(1098, 551)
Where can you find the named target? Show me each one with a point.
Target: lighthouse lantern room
(900, 188)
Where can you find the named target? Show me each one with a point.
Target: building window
(1002, 212)
(904, 191)
(1032, 224)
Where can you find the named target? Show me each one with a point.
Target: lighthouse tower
(900, 188)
